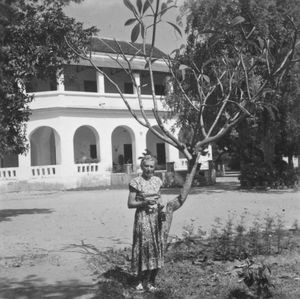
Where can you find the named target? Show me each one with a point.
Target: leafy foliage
(32, 45)
(141, 25)
(257, 277)
(264, 175)
(236, 60)
(215, 29)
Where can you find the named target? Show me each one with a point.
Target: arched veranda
(123, 149)
(45, 147)
(158, 148)
(86, 145)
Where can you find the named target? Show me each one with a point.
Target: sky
(109, 17)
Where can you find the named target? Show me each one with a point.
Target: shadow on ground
(118, 283)
(227, 186)
(34, 288)
(6, 214)
(113, 284)
(218, 187)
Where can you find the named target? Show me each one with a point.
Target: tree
(224, 74)
(32, 45)
(265, 133)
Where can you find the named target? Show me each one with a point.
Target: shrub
(263, 175)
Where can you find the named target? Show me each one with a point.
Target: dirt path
(40, 232)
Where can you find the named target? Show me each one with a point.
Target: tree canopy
(32, 45)
(251, 41)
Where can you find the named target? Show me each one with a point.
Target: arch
(158, 148)
(123, 148)
(45, 146)
(86, 145)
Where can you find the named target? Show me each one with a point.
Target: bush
(264, 175)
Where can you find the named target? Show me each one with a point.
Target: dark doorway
(128, 153)
(161, 153)
(93, 151)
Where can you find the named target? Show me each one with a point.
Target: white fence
(87, 168)
(8, 173)
(45, 171)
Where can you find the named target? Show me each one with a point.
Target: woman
(147, 248)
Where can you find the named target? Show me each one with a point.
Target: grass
(230, 261)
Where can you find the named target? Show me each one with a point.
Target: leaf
(213, 40)
(142, 30)
(176, 28)
(163, 8)
(139, 5)
(129, 5)
(176, 51)
(147, 5)
(135, 33)
(206, 78)
(270, 112)
(237, 20)
(129, 22)
(261, 42)
(183, 67)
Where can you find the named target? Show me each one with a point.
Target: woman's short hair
(148, 157)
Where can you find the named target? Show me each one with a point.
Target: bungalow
(80, 132)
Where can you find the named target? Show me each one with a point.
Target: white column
(137, 79)
(68, 168)
(60, 78)
(140, 143)
(105, 149)
(100, 83)
(24, 171)
(173, 154)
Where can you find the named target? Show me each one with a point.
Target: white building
(80, 131)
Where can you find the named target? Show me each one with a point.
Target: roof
(111, 46)
(101, 47)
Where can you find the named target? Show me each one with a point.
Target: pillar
(140, 143)
(137, 79)
(24, 170)
(68, 167)
(100, 83)
(105, 148)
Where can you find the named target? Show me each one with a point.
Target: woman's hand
(150, 202)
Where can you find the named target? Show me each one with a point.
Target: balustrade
(10, 173)
(87, 168)
(44, 171)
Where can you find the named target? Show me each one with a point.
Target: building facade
(81, 133)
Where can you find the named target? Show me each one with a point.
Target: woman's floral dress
(147, 248)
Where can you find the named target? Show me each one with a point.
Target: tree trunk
(179, 200)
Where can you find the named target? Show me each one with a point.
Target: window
(90, 86)
(159, 89)
(128, 88)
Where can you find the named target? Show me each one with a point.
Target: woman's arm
(133, 203)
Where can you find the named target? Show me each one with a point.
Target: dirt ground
(41, 232)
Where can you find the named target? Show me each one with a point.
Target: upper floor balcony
(79, 86)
